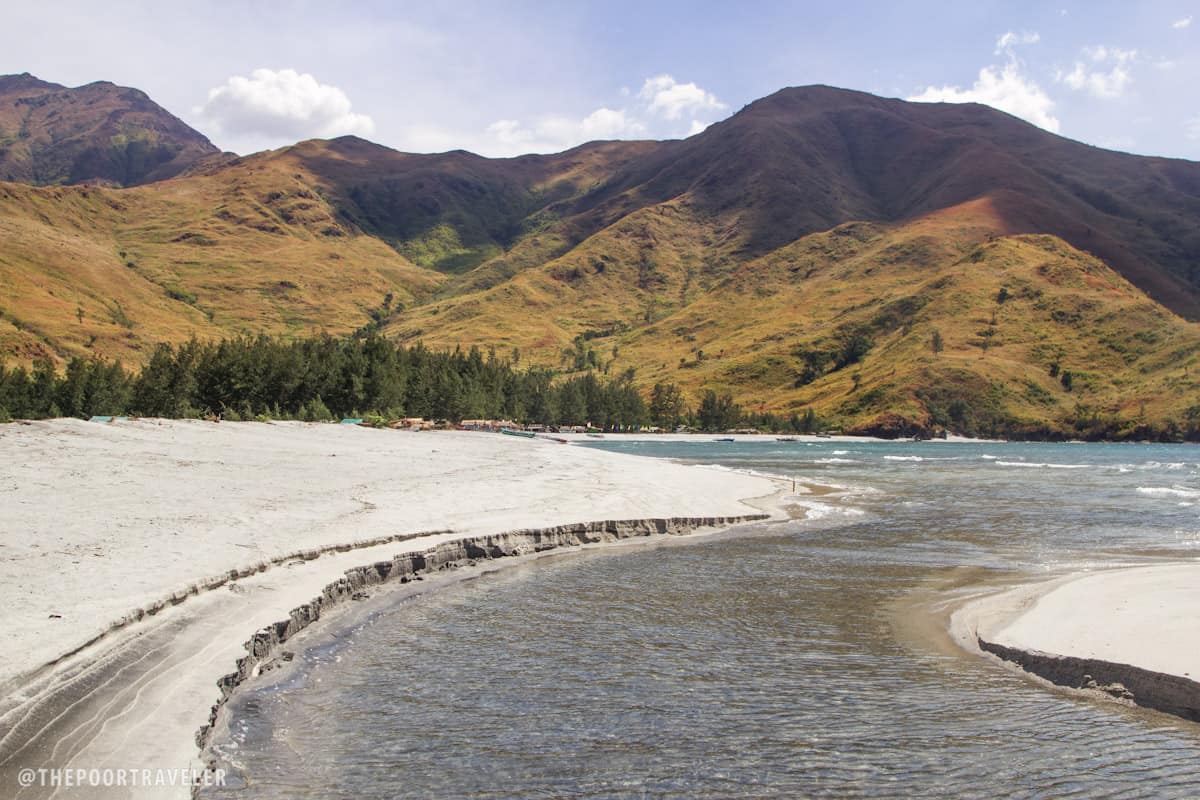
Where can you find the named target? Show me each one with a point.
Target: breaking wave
(1169, 491)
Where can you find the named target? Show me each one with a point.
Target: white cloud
(1098, 81)
(1192, 128)
(660, 108)
(554, 132)
(607, 123)
(1180, 24)
(509, 131)
(670, 99)
(1004, 88)
(282, 105)
(432, 138)
(1123, 143)
(1101, 54)
(1008, 40)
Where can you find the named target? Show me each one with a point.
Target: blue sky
(506, 78)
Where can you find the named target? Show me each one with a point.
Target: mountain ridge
(96, 133)
(735, 259)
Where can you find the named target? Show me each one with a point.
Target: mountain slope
(800, 161)
(111, 272)
(1013, 312)
(799, 254)
(98, 133)
(806, 159)
(452, 211)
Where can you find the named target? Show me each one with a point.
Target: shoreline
(1125, 634)
(780, 438)
(413, 574)
(135, 691)
(394, 512)
(451, 555)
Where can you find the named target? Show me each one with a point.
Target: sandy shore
(708, 437)
(1131, 634)
(217, 529)
(741, 437)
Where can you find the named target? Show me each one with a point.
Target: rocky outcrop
(409, 566)
(1173, 694)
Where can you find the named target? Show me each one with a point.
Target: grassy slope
(256, 250)
(261, 248)
(211, 256)
(896, 283)
(641, 268)
(714, 261)
(1128, 355)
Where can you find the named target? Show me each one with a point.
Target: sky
(505, 78)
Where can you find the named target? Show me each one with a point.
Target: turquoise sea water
(794, 659)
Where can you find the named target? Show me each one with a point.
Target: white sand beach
(1084, 631)
(1147, 616)
(222, 530)
(101, 521)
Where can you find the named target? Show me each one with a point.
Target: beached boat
(523, 434)
(785, 438)
(725, 439)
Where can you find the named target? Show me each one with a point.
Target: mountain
(98, 133)
(807, 159)
(800, 254)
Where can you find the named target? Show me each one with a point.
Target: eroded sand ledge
(408, 566)
(1143, 687)
(1130, 634)
(138, 560)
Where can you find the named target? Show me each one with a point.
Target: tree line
(325, 377)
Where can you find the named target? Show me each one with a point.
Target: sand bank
(1130, 633)
(222, 530)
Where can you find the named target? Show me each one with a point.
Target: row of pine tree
(325, 377)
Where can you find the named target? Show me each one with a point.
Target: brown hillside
(98, 133)
(113, 271)
(892, 283)
(806, 159)
(741, 258)
(800, 161)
